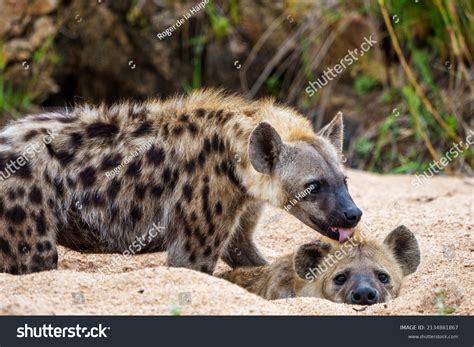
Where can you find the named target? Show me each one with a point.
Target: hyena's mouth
(336, 233)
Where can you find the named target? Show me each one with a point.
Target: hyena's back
(173, 166)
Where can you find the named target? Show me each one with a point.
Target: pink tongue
(344, 234)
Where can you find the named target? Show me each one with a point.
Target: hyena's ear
(265, 146)
(334, 132)
(310, 256)
(404, 246)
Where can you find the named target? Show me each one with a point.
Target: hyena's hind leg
(241, 250)
(27, 240)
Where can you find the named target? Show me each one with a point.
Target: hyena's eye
(383, 277)
(340, 279)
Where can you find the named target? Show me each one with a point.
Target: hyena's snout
(364, 295)
(348, 213)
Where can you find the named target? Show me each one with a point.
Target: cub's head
(361, 273)
(309, 174)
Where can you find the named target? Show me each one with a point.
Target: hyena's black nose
(353, 214)
(364, 295)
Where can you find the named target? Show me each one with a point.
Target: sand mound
(440, 212)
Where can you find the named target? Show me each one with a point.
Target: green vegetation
(440, 304)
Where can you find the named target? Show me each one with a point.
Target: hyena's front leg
(27, 237)
(241, 250)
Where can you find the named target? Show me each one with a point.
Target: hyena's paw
(243, 254)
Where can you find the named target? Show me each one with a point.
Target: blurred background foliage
(405, 102)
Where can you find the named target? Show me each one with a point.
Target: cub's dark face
(310, 176)
(362, 273)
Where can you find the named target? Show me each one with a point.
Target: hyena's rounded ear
(308, 257)
(265, 146)
(334, 132)
(404, 246)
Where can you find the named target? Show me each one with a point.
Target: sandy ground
(440, 212)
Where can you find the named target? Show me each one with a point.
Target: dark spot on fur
(114, 189)
(188, 192)
(20, 192)
(156, 191)
(143, 129)
(40, 247)
(11, 231)
(11, 194)
(207, 145)
(215, 142)
(177, 131)
(38, 260)
(41, 223)
(135, 213)
(76, 140)
(16, 214)
(30, 134)
(202, 158)
(58, 186)
(208, 251)
(194, 216)
(5, 246)
(47, 177)
(218, 208)
(140, 191)
(36, 196)
(2, 207)
(111, 161)
(156, 156)
(190, 166)
(192, 257)
(98, 199)
(51, 203)
(184, 118)
(103, 130)
(204, 269)
(193, 129)
(87, 176)
(200, 112)
(166, 175)
(134, 169)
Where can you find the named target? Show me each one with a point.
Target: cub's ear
(309, 256)
(334, 132)
(265, 146)
(404, 246)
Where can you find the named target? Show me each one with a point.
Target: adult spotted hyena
(200, 166)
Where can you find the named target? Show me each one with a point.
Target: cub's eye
(383, 277)
(340, 279)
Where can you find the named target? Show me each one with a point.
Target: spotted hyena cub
(359, 272)
(97, 179)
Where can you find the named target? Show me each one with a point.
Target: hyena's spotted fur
(195, 179)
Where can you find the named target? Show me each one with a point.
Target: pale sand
(440, 213)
